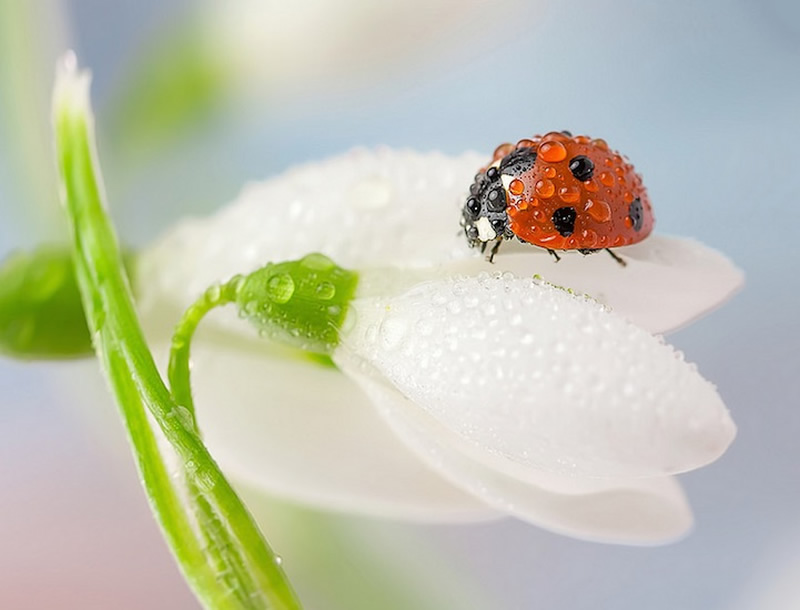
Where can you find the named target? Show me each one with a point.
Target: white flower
(464, 389)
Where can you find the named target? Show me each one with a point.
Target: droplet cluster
(541, 376)
(574, 193)
(302, 303)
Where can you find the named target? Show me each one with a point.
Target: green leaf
(41, 314)
(220, 550)
(175, 85)
(40, 307)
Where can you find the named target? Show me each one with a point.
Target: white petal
(379, 208)
(667, 283)
(535, 377)
(306, 432)
(401, 208)
(625, 511)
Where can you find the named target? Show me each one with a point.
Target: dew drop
(454, 307)
(213, 293)
(599, 210)
(392, 331)
(280, 288)
(569, 194)
(316, 261)
(545, 188)
(325, 291)
(425, 327)
(553, 152)
(370, 193)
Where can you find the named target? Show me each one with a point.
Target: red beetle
(558, 192)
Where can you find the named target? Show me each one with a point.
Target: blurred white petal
(401, 208)
(536, 377)
(625, 511)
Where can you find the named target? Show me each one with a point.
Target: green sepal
(303, 303)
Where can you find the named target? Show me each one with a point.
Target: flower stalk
(220, 550)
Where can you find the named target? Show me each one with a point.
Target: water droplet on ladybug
(599, 210)
(473, 207)
(569, 194)
(606, 179)
(588, 238)
(553, 152)
(496, 200)
(545, 189)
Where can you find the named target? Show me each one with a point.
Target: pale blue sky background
(704, 97)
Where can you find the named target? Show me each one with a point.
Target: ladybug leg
(621, 261)
(483, 246)
(554, 254)
(494, 250)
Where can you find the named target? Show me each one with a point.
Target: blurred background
(196, 98)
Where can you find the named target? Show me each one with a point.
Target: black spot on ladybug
(581, 167)
(566, 133)
(496, 199)
(636, 214)
(518, 161)
(492, 173)
(564, 221)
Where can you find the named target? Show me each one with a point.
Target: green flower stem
(178, 370)
(219, 548)
(301, 303)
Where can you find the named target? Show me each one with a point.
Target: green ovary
(303, 303)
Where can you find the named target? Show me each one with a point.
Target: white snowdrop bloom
(463, 390)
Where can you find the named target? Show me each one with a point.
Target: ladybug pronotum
(558, 192)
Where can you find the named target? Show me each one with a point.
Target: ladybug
(558, 192)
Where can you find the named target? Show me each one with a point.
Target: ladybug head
(484, 215)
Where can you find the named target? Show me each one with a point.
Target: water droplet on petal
(392, 332)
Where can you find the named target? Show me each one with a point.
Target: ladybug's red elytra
(559, 192)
